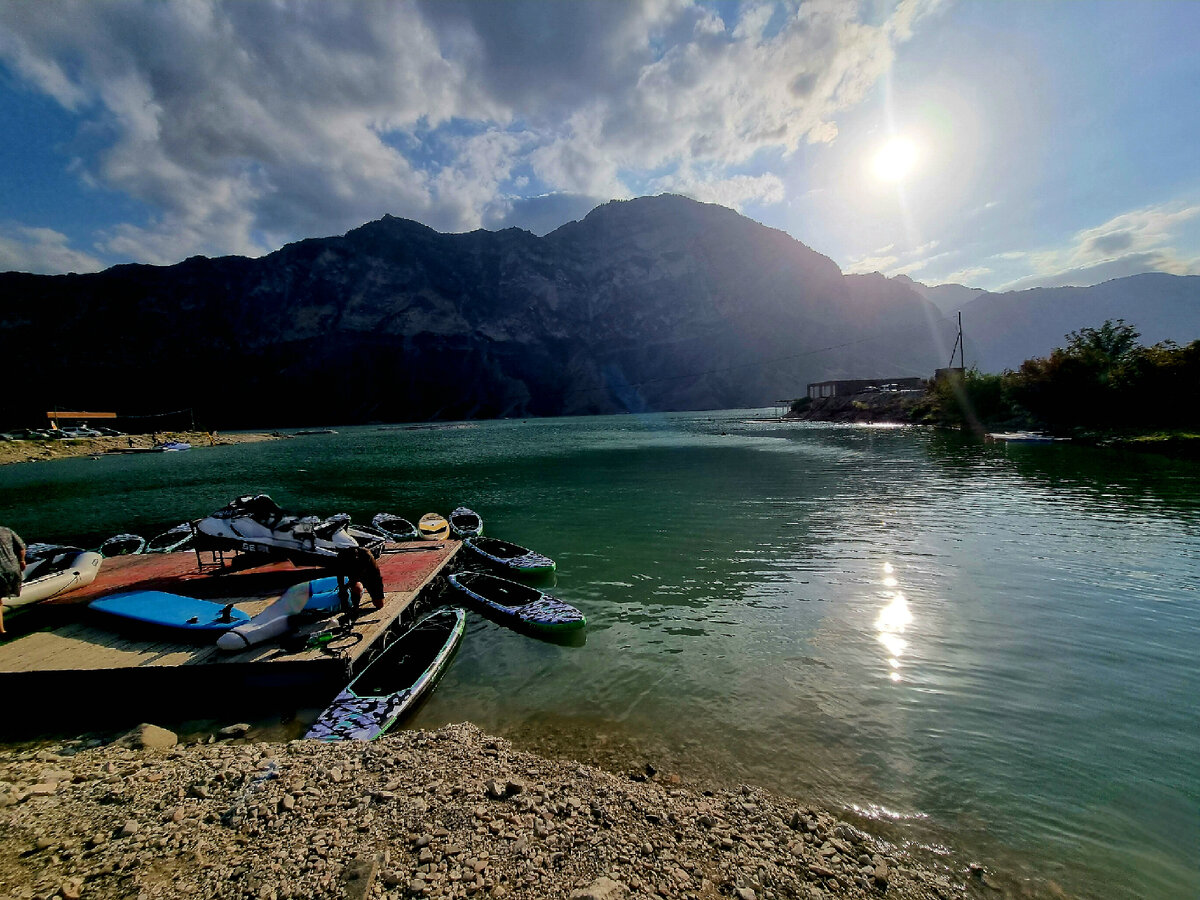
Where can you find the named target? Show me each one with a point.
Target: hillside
(654, 303)
(657, 303)
(1003, 330)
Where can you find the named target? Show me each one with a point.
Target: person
(361, 571)
(12, 564)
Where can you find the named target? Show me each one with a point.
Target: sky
(1001, 145)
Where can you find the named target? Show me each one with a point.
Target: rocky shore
(877, 408)
(450, 813)
(40, 450)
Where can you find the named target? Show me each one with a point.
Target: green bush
(1102, 379)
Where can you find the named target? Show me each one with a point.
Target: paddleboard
(170, 611)
(518, 605)
(394, 682)
(433, 527)
(466, 523)
(510, 556)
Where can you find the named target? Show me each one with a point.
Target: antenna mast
(958, 347)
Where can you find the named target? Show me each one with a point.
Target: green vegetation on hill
(1103, 380)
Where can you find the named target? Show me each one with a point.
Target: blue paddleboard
(170, 611)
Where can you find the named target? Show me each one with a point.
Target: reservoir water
(987, 647)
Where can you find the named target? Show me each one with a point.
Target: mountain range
(646, 304)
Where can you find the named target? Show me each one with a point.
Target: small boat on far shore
(1023, 437)
(173, 446)
(122, 545)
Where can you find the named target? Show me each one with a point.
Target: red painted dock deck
(84, 659)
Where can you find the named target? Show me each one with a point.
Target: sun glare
(895, 160)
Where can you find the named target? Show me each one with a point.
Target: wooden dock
(83, 667)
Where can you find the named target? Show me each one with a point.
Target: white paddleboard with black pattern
(394, 682)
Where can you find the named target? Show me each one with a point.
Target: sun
(895, 160)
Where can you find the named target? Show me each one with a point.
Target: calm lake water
(992, 648)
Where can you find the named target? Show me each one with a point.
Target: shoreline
(69, 448)
(451, 812)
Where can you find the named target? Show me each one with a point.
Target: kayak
(465, 523)
(393, 683)
(510, 556)
(396, 527)
(517, 605)
(433, 527)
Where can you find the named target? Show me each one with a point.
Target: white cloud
(892, 261)
(42, 251)
(1128, 244)
(867, 264)
(967, 276)
(735, 191)
(242, 125)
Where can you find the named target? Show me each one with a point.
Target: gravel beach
(447, 813)
(37, 451)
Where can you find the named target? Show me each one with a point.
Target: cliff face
(655, 303)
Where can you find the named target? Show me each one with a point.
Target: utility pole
(958, 347)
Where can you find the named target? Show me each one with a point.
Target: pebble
(458, 822)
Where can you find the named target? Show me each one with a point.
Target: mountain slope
(654, 303)
(1003, 330)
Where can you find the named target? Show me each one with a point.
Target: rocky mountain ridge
(656, 303)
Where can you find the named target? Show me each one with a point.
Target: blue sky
(994, 144)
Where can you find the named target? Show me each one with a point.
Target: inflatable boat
(52, 570)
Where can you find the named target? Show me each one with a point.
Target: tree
(1105, 346)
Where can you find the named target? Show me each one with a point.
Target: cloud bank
(242, 125)
(1129, 244)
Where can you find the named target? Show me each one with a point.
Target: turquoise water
(988, 647)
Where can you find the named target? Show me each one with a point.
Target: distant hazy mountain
(654, 303)
(949, 298)
(1003, 330)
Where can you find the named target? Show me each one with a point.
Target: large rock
(602, 888)
(149, 737)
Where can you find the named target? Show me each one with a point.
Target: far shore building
(818, 390)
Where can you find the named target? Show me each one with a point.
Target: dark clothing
(11, 548)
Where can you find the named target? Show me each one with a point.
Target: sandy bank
(28, 451)
(448, 813)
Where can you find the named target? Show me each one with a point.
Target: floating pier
(79, 668)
